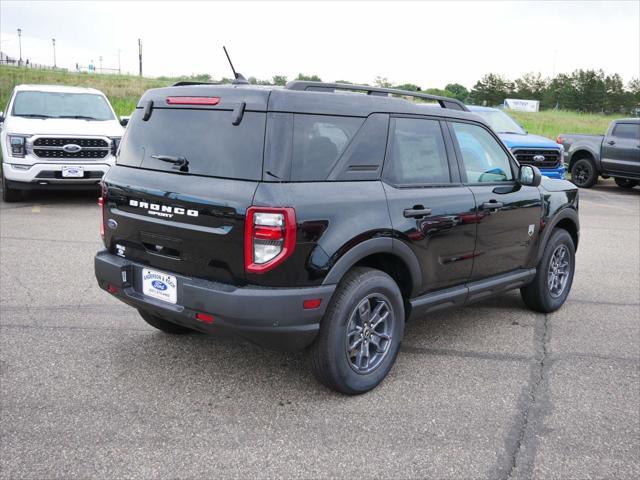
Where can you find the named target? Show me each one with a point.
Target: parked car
(56, 137)
(300, 217)
(616, 154)
(528, 149)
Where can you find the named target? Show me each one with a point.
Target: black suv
(324, 216)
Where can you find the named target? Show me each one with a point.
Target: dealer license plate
(159, 285)
(72, 172)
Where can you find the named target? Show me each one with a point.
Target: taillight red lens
(270, 237)
(193, 100)
(559, 140)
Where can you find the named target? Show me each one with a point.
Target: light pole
(119, 70)
(100, 63)
(20, 44)
(54, 52)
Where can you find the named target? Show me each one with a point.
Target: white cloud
(429, 43)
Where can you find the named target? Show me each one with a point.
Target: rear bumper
(272, 317)
(558, 172)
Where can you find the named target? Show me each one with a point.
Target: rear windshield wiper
(180, 163)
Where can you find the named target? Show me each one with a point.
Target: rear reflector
(193, 100)
(204, 317)
(112, 288)
(311, 303)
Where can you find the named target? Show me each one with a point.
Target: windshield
(87, 106)
(500, 121)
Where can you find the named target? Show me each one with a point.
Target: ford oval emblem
(112, 224)
(71, 148)
(158, 285)
(538, 158)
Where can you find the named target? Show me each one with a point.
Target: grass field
(124, 91)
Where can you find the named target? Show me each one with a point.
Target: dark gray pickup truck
(616, 154)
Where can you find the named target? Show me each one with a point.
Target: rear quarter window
(212, 145)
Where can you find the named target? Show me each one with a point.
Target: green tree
(308, 78)
(457, 91)
(382, 82)
(279, 80)
(408, 86)
(531, 86)
(491, 90)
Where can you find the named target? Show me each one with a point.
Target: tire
(625, 182)
(163, 325)
(360, 293)
(10, 194)
(539, 295)
(584, 173)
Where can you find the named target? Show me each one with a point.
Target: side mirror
(1, 117)
(124, 121)
(529, 175)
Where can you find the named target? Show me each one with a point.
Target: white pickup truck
(56, 137)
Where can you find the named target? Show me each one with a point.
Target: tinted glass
(483, 157)
(627, 130)
(211, 144)
(416, 153)
(318, 142)
(62, 105)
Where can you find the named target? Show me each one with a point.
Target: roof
(628, 120)
(277, 99)
(56, 88)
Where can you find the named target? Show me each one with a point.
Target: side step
(470, 292)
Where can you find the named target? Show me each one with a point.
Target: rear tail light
(559, 140)
(269, 237)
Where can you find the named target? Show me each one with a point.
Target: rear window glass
(212, 145)
(416, 153)
(318, 142)
(627, 130)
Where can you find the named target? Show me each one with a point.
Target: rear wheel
(10, 194)
(584, 173)
(163, 325)
(554, 275)
(625, 182)
(360, 333)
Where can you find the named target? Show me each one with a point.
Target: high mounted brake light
(193, 100)
(269, 237)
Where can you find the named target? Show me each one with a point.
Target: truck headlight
(17, 145)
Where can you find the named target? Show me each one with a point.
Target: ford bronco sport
(324, 216)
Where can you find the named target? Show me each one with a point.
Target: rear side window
(318, 142)
(209, 141)
(416, 153)
(627, 130)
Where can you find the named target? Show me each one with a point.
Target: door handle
(416, 212)
(492, 205)
(611, 142)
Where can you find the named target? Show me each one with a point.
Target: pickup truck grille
(527, 157)
(81, 148)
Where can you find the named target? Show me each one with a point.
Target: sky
(426, 43)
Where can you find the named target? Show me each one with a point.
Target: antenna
(238, 77)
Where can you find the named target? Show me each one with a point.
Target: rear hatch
(187, 170)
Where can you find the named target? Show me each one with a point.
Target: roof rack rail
(445, 102)
(187, 83)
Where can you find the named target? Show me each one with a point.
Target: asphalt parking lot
(88, 390)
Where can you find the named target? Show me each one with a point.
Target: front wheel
(554, 275)
(625, 182)
(584, 173)
(360, 333)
